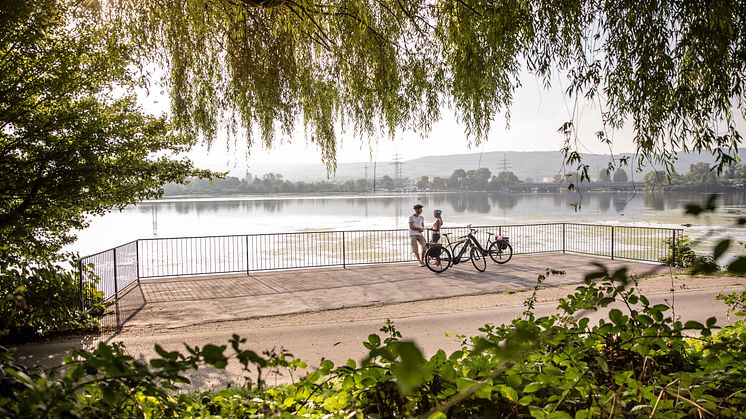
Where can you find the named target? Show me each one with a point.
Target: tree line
(481, 179)
(466, 180)
(700, 176)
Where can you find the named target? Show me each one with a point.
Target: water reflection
(558, 199)
(620, 203)
(507, 201)
(467, 203)
(235, 215)
(457, 202)
(604, 202)
(272, 206)
(655, 201)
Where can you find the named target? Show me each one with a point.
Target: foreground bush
(41, 299)
(636, 361)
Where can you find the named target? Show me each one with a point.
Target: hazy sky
(536, 115)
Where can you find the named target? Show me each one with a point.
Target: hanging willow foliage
(672, 70)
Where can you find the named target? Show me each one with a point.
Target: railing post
(247, 255)
(564, 232)
(673, 248)
(137, 259)
(344, 262)
(612, 242)
(116, 287)
(80, 276)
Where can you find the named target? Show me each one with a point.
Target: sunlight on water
(259, 214)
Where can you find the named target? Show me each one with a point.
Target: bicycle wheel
(478, 259)
(437, 259)
(501, 255)
(457, 251)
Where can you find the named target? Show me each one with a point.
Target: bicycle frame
(456, 259)
(476, 243)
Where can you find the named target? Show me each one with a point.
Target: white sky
(536, 115)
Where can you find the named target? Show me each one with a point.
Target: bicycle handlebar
(471, 232)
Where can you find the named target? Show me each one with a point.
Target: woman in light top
(437, 225)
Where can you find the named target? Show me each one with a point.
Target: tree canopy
(73, 142)
(671, 70)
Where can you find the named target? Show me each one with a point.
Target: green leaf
(248, 356)
(661, 307)
(326, 366)
(165, 354)
(374, 340)
(644, 320)
(692, 324)
(214, 356)
(559, 415)
(533, 387)
(720, 249)
(602, 364)
(605, 301)
(513, 380)
(593, 276)
(509, 393)
(616, 316)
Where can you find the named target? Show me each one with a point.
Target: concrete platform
(173, 303)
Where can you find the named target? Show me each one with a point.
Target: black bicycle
(440, 257)
(499, 249)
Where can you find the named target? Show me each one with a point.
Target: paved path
(180, 309)
(174, 303)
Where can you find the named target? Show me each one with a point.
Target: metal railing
(115, 272)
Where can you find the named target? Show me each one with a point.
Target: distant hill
(525, 164)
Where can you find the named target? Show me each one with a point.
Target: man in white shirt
(416, 227)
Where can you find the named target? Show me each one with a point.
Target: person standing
(416, 227)
(437, 225)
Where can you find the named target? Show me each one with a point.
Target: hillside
(529, 164)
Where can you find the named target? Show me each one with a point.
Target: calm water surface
(262, 214)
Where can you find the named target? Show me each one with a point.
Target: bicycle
(438, 257)
(500, 250)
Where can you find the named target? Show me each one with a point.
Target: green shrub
(681, 255)
(638, 360)
(46, 300)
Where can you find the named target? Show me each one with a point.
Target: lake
(207, 216)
